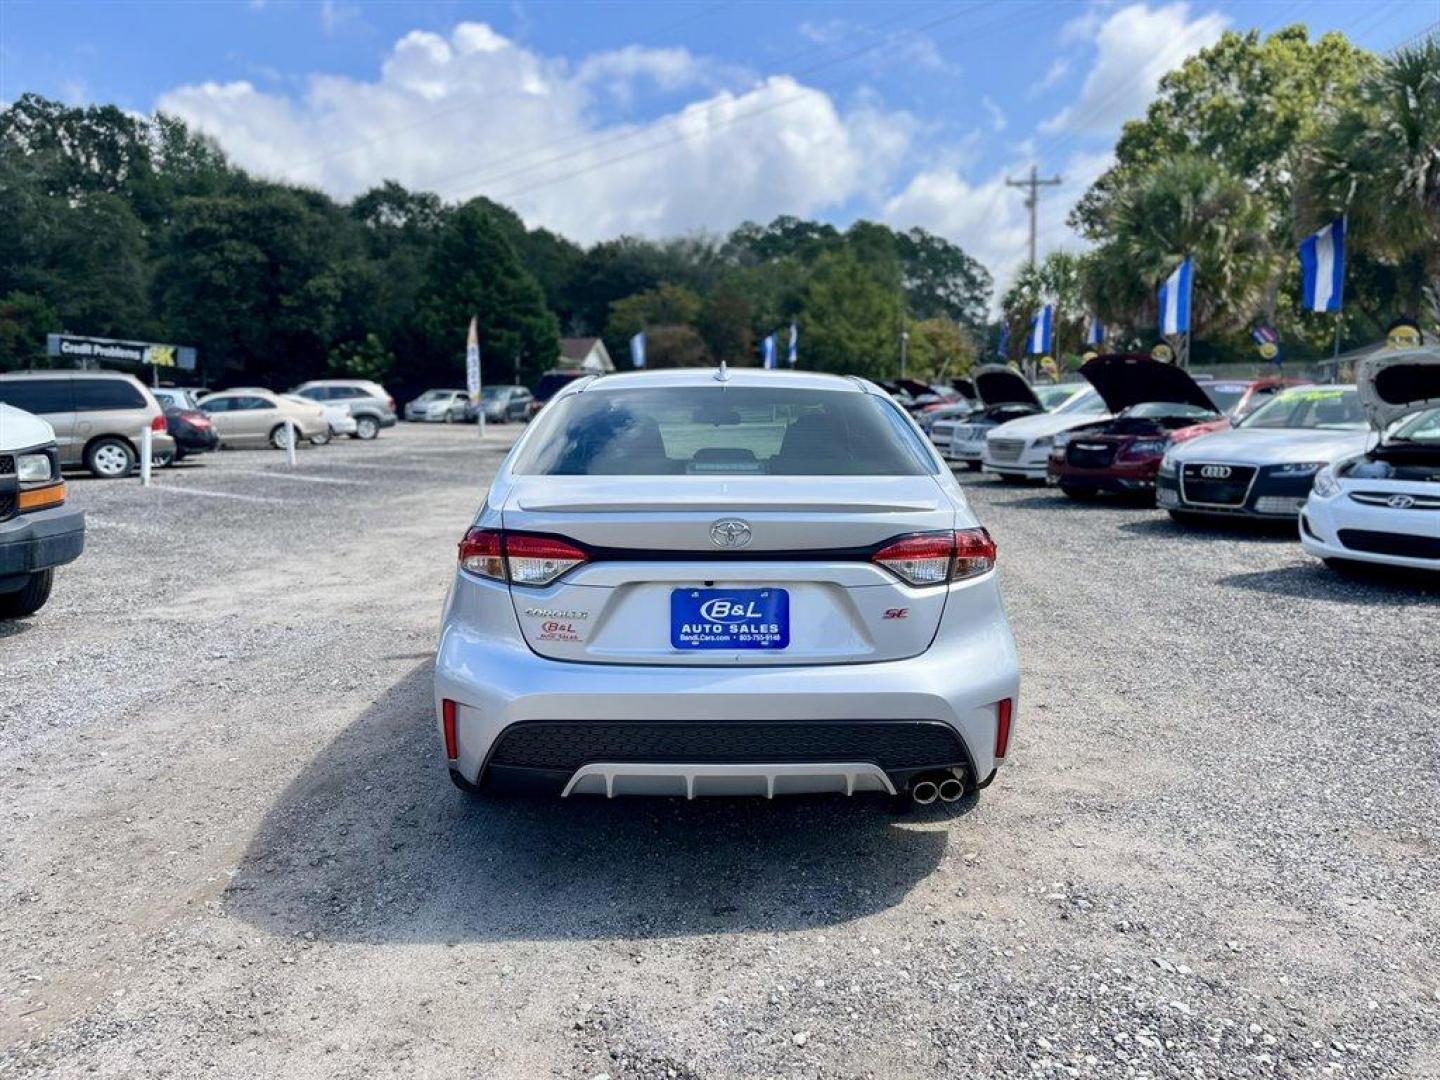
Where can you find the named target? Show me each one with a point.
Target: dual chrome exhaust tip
(927, 789)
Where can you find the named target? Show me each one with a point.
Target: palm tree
(1380, 165)
(1186, 206)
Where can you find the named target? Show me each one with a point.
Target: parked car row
(1357, 467)
(100, 418)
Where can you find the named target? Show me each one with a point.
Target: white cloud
(988, 218)
(1058, 70)
(476, 113)
(1135, 46)
(997, 114)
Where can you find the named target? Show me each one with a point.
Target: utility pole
(1032, 200)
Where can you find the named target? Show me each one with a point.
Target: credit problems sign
(88, 350)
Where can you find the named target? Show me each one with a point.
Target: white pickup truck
(38, 532)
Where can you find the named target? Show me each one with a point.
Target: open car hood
(997, 384)
(1125, 379)
(1394, 383)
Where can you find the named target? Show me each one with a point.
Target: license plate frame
(752, 619)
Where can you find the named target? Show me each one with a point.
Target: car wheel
(1080, 494)
(110, 459)
(321, 439)
(450, 417)
(280, 437)
(163, 460)
(366, 427)
(30, 598)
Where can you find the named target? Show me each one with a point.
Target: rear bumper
(484, 665)
(38, 541)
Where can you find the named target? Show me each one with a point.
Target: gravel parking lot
(230, 847)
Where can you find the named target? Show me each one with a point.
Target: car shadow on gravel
(1373, 587)
(1162, 525)
(371, 843)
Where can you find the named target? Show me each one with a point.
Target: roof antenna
(723, 375)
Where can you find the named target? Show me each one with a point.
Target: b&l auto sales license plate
(729, 619)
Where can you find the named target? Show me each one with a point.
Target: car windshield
(1225, 395)
(1152, 409)
(490, 393)
(1312, 407)
(657, 431)
(1087, 401)
(1424, 428)
(432, 395)
(1054, 396)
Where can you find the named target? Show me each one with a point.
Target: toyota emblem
(1400, 502)
(730, 533)
(1215, 472)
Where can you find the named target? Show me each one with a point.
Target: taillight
(539, 560)
(391, 400)
(1003, 710)
(974, 553)
(157, 423)
(939, 557)
(520, 558)
(482, 552)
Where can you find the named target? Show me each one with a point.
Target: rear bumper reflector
(447, 716)
(1002, 726)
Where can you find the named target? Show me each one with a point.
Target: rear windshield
(1225, 395)
(659, 431)
(1087, 401)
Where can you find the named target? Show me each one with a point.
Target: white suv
(368, 402)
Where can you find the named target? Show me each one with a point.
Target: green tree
(1188, 207)
(941, 280)
(724, 324)
(1380, 165)
(25, 319)
(940, 349)
(1254, 107)
(364, 359)
(473, 271)
(667, 305)
(850, 321)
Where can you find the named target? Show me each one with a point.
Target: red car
(1154, 406)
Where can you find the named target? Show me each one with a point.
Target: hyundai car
(1020, 449)
(1264, 466)
(1004, 395)
(1155, 406)
(1383, 505)
(725, 583)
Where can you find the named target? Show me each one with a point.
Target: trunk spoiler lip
(863, 553)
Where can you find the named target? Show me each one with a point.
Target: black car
(186, 424)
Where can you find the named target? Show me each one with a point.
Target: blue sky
(662, 118)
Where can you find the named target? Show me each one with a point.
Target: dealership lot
(231, 847)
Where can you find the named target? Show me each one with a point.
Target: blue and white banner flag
(1042, 331)
(1322, 268)
(1095, 334)
(794, 353)
(1003, 348)
(767, 352)
(637, 349)
(1175, 300)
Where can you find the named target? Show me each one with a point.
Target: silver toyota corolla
(710, 582)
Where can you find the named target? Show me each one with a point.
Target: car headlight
(1167, 463)
(1298, 468)
(1043, 442)
(1325, 483)
(34, 468)
(1149, 446)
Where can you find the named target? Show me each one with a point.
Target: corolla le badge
(1216, 472)
(1400, 502)
(730, 533)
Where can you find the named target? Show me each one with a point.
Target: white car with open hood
(1383, 505)
(1264, 466)
(710, 582)
(1004, 395)
(1021, 448)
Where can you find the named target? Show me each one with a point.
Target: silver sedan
(700, 582)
